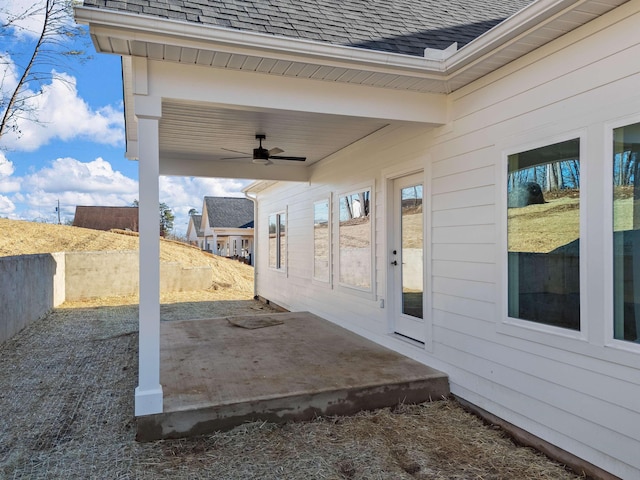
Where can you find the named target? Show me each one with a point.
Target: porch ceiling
(196, 139)
(191, 131)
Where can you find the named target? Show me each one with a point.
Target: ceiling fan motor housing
(260, 153)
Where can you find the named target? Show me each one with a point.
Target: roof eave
(213, 36)
(184, 33)
(533, 16)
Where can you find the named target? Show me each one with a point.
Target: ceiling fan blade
(235, 151)
(275, 151)
(233, 158)
(295, 159)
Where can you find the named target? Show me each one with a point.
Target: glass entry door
(407, 257)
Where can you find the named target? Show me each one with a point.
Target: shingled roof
(229, 212)
(196, 220)
(398, 26)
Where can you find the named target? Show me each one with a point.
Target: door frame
(389, 176)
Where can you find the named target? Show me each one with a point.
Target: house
(428, 116)
(106, 218)
(194, 234)
(227, 226)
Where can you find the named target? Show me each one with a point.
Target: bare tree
(554, 177)
(54, 43)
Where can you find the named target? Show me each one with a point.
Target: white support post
(148, 397)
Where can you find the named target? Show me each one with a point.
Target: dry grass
(545, 227)
(23, 238)
(435, 441)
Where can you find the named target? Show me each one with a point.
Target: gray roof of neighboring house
(398, 26)
(197, 220)
(229, 212)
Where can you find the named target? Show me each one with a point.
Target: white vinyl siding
(577, 390)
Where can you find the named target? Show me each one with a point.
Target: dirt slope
(23, 238)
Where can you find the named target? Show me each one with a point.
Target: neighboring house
(397, 224)
(106, 218)
(194, 234)
(227, 227)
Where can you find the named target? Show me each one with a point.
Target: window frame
(528, 329)
(329, 281)
(279, 253)
(607, 174)
(346, 287)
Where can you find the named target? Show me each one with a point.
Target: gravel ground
(66, 397)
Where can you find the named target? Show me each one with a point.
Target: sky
(74, 153)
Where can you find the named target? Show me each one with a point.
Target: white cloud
(31, 17)
(71, 175)
(72, 183)
(28, 25)
(8, 75)
(35, 195)
(6, 166)
(62, 114)
(8, 184)
(6, 206)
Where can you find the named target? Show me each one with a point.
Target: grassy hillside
(23, 238)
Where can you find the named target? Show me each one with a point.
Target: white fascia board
(258, 186)
(147, 28)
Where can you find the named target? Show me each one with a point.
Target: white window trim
(369, 293)
(329, 282)
(527, 329)
(608, 284)
(278, 267)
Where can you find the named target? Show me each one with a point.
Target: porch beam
(255, 91)
(148, 394)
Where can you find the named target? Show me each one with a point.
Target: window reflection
(543, 225)
(321, 241)
(278, 241)
(412, 250)
(355, 240)
(626, 233)
(273, 250)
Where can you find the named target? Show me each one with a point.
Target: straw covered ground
(66, 397)
(66, 393)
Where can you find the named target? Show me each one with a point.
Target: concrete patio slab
(217, 375)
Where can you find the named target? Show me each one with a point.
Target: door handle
(395, 262)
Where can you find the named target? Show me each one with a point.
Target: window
(543, 228)
(626, 233)
(321, 241)
(355, 240)
(278, 241)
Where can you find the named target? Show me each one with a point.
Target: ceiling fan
(262, 156)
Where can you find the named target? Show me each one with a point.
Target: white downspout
(254, 199)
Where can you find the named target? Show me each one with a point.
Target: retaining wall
(105, 274)
(31, 285)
